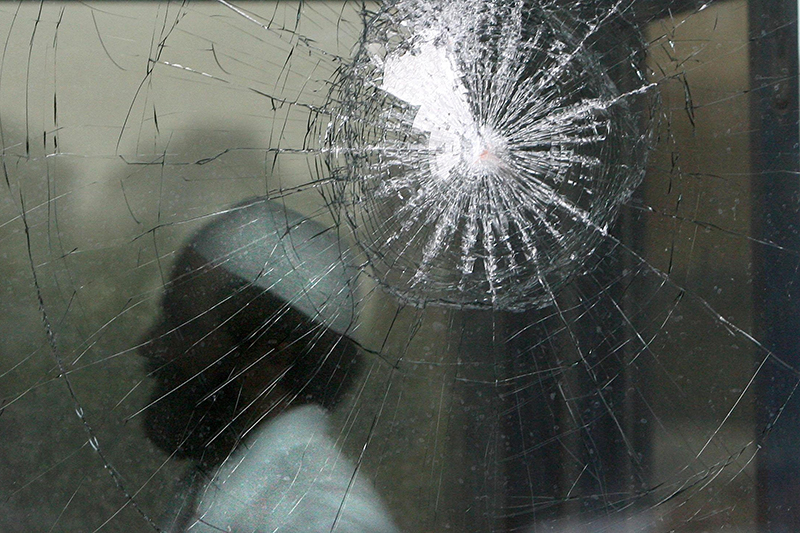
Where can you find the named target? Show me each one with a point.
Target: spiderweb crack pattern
(482, 150)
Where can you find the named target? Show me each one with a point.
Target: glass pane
(411, 266)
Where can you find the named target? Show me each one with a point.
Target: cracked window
(404, 266)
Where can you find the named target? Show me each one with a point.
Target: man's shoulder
(292, 475)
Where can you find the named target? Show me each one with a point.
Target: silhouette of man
(249, 354)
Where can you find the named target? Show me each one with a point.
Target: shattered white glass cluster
(481, 150)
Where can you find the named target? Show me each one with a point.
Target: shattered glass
(512, 265)
(502, 153)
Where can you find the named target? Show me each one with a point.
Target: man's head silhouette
(254, 318)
